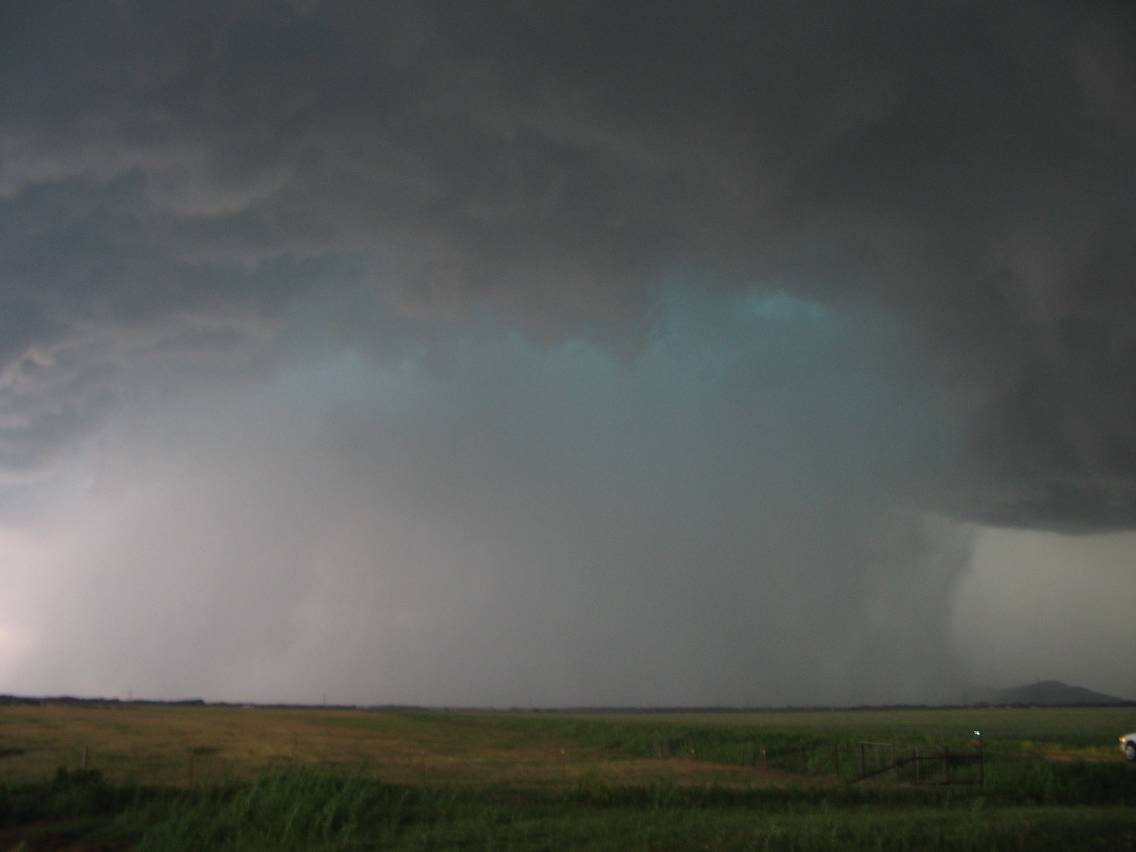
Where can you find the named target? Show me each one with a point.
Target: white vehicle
(1128, 746)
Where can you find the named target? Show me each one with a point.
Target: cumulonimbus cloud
(963, 171)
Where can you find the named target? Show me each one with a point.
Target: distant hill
(1050, 693)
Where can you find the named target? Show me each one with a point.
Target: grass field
(176, 777)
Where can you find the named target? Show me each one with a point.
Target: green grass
(304, 808)
(353, 780)
(825, 742)
(1091, 729)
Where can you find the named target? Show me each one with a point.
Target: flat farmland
(177, 745)
(182, 777)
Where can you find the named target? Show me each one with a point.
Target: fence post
(981, 764)
(915, 758)
(836, 758)
(765, 761)
(946, 765)
(83, 757)
(861, 761)
(192, 766)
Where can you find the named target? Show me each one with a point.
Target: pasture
(124, 776)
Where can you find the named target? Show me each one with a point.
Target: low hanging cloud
(637, 305)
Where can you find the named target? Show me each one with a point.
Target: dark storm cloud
(962, 171)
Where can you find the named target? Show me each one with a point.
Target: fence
(867, 760)
(926, 767)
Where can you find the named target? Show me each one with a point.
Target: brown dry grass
(183, 745)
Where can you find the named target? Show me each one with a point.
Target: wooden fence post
(946, 765)
(915, 759)
(83, 757)
(861, 761)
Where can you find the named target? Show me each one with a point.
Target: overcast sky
(566, 353)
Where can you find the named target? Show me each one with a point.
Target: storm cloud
(477, 341)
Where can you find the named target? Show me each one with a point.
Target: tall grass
(579, 791)
(306, 808)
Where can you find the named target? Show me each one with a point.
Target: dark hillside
(1054, 693)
